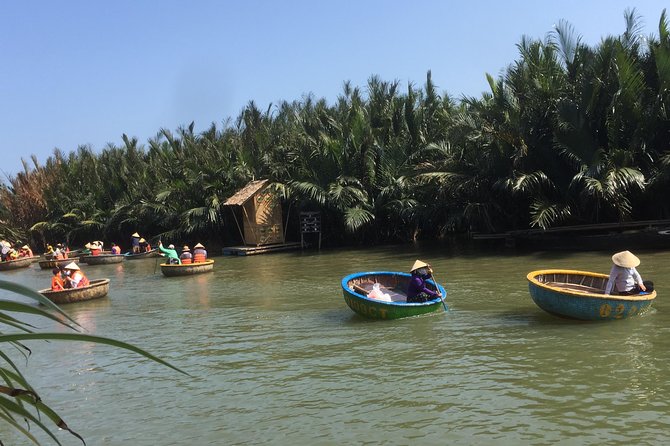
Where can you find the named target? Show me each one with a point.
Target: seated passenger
(199, 253)
(57, 283)
(186, 257)
(115, 249)
(26, 251)
(74, 276)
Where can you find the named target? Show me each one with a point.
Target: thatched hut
(261, 214)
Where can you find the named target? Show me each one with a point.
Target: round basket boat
(51, 264)
(187, 270)
(581, 295)
(22, 262)
(142, 255)
(97, 289)
(102, 259)
(356, 288)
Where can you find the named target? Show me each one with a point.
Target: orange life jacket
(84, 280)
(199, 256)
(57, 283)
(148, 248)
(116, 250)
(95, 252)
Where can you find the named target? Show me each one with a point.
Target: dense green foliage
(568, 134)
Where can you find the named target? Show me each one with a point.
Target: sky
(85, 72)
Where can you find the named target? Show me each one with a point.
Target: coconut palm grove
(568, 134)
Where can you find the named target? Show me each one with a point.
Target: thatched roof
(244, 194)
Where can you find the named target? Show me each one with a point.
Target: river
(276, 357)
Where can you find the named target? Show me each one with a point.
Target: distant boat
(357, 286)
(170, 270)
(97, 289)
(581, 295)
(142, 255)
(102, 259)
(50, 264)
(21, 262)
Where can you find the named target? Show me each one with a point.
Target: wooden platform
(252, 250)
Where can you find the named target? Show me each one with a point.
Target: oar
(437, 287)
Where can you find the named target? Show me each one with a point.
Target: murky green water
(278, 358)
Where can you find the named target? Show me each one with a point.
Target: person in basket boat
(144, 246)
(13, 254)
(199, 253)
(94, 247)
(25, 251)
(170, 253)
(135, 242)
(74, 276)
(5, 247)
(624, 278)
(57, 283)
(186, 257)
(115, 249)
(60, 253)
(417, 291)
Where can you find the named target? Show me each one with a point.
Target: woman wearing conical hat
(135, 242)
(75, 276)
(417, 291)
(199, 253)
(186, 257)
(624, 278)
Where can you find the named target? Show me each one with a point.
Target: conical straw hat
(185, 248)
(625, 259)
(418, 264)
(199, 246)
(72, 265)
(135, 235)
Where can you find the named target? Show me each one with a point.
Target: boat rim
(94, 282)
(349, 277)
(531, 276)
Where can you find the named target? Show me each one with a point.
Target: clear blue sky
(85, 72)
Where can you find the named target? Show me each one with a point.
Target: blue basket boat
(581, 295)
(357, 286)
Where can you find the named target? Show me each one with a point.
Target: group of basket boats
(564, 293)
(99, 287)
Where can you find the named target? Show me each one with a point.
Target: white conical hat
(135, 235)
(72, 265)
(418, 264)
(199, 245)
(625, 259)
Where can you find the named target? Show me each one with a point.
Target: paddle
(156, 264)
(437, 287)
